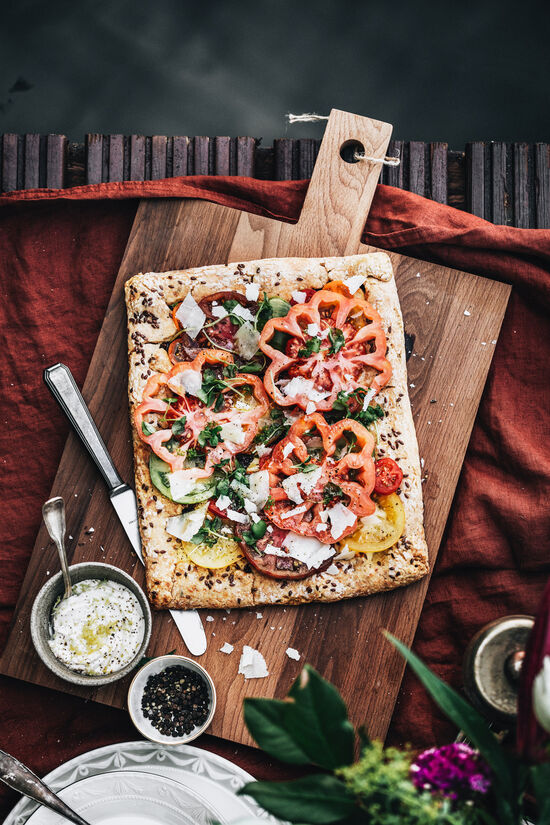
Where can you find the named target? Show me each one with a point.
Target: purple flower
(457, 771)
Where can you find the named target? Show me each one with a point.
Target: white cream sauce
(98, 629)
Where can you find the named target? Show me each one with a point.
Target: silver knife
(62, 385)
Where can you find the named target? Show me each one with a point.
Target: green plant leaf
(315, 800)
(318, 721)
(540, 777)
(266, 724)
(465, 717)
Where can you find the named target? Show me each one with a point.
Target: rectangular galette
(276, 460)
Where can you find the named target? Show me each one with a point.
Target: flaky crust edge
(173, 582)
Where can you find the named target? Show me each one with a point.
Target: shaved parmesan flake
(287, 449)
(210, 618)
(252, 291)
(345, 554)
(368, 398)
(190, 381)
(249, 506)
(305, 481)
(307, 549)
(242, 312)
(310, 407)
(252, 664)
(304, 386)
(313, 330)
(292, 654)
(299, 297)
(190, 316)
(272, 550)
(240, 518)
(226, 648)
(232, 432)
(186, 525)
(255, 517)
(375, 519)
(355, 282)
(262, 450)
(295, 512)
(180, 484)
(247, 339)
(340, 518)
(223, 502)
(332, 570)
(466, 312)
(219, 312)
(259, 488)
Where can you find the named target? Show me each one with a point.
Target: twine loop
(312, 117)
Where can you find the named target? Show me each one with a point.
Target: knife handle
(59, 380)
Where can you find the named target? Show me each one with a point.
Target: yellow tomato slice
(381, 530)
(226, 551)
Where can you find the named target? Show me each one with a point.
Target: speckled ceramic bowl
(135, 694)
(43, 606)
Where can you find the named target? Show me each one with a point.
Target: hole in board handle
(350, 149)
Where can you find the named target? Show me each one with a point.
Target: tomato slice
(216, 510)
(220, 334)
(278, 567)
(382, 529)
(389, 476)
(335, 343)
(243, 409)
(225, 552)
(333, 461)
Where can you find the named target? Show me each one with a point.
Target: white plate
(199, 771)
(130, 798)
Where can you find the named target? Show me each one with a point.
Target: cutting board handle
(340, 193)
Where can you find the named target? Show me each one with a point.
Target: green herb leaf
(465, 717)
(178, 427)
(230, 370)
(274, 431)
(318, 799)
(332, 492)
(254, 367)
(170, 399)
(265, 721)
(337, 340)
(249, 538)
(313, 345)
(146, 428)
(210, 435)
(258, 529)
(372, 413)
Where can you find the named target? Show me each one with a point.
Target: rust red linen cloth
(59, 254)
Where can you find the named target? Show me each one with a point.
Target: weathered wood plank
(201, 145)
(417, 167)
(94, 158)
(521, 199)
(179, 156)
(55, 169)
(308, 149)
(542, 185)
(245, 156)
(475, 154)
(500, 189)
(286, 159)
(222, 147)
(137, 157)
(9, 162)
(158, 157)
(116, 157)
(438, 172)
(32, 162)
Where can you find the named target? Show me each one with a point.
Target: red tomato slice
(389, 476)
(216, 510)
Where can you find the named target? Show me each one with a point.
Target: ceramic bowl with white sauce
(91, 656)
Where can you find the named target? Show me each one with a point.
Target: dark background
(470, 71)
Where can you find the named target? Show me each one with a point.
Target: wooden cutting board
(453, 320)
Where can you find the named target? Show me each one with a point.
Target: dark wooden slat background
(506, 183)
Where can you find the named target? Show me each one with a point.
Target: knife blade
(60, 382)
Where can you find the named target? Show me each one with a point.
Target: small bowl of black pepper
(171, 700)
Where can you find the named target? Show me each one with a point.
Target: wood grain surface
(453, 320)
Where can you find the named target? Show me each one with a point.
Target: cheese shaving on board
(252, 664)
(190, 316)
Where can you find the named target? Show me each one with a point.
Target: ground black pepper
(175, 701)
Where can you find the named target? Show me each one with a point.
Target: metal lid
(492, 664)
